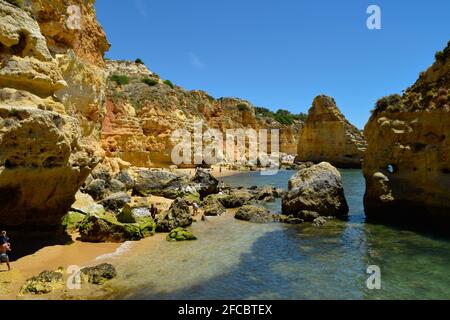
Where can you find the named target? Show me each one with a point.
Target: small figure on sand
(195, 208)
(153, 211)
(5, 247)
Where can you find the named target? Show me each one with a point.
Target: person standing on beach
(195, 208)
(5, 247)
(153, 211)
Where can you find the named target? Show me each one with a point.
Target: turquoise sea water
(239, 260)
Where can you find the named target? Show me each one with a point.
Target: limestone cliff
(52, 88)
(407, 164)
(328, 136)
(143, 111)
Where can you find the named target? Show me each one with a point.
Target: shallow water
(239, 260)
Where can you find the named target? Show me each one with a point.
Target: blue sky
(281, 54)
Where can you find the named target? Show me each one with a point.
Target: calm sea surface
(239, 260)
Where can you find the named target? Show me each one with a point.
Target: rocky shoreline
(117, 208)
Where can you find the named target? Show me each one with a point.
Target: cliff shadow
(25, 245)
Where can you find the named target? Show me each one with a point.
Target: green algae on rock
(98, 275)
(180, 234)
(44, 283)
(72, 221)
(106, 228)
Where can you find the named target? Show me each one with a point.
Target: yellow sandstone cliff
(52, 89)
(143, 111)
(328, 136)
(407, 164)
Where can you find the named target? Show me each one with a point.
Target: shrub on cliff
(389, 103)
(120, 79)
(139, 61)
(169, 83)
(150, 82)
(281, 116)
(242, 107)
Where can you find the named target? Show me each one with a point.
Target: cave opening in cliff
(19, 48)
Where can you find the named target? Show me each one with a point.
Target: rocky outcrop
(316, 189)
(106, 228)
(178, 215)
(407, 164)
(50, 106)
(143, 111)
(254, 214)
(206, 183)
(328, 136)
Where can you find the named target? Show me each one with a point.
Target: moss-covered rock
(147, 226)
(180, 234)
(191, 198)
(72, 220)
(106, 228)
(44, 283)
(254, 214)
(98, 275)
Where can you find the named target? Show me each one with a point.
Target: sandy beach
(50, 258)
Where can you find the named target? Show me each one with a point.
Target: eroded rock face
(50, 104)
(316, 189)
(407, 164)
(143, 112)
(328, 136)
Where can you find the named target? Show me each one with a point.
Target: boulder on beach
(316, 189)
(212, 206)
(266, 194)
(178, 215)
(85, 204)
(254, 214)
(180, 234)
(126, 179)
(98, 275)
(205, 182)
(236, 199)
(44, 283)
(116, 201)
(131, 213)
(106, 228)
(163, 184)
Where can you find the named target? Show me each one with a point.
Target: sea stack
(328, 136)
(407, 163)
(52, 85)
